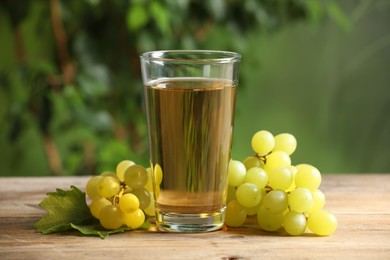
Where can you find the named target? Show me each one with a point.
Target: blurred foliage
(71, 93)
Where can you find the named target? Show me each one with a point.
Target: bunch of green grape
(281, 195)
(122, 198)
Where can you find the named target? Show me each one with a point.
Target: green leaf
(69, 210)
(137, 17)
(160, 15)
(97, 230)
(64, 209)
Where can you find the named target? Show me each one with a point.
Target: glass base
(203, 222)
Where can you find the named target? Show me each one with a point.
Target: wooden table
(360, 202)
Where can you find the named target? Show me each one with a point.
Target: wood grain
(360, 202)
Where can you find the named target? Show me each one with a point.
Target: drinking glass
(190, 102)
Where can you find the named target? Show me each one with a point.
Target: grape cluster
(281, 195)
(122, 198)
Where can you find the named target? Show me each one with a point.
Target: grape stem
(263, 158)
(115, 200)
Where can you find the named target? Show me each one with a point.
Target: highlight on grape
(280, 194)
(122, 198)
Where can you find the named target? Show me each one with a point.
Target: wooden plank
(361, 203)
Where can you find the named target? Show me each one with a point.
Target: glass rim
(192, 56)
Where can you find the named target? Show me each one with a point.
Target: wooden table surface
(360, 202)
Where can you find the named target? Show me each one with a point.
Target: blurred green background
(71, 98)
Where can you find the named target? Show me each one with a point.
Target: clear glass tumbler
(190, 103)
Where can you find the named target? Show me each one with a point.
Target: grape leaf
(69, 210)
(97, 230)
(64, 208)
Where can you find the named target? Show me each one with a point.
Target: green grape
(111, 217)
(294, 223)
(308, 177)
(248, 195)
(285, 142)
(280, 178)
(269, 221)
(136, 176)
(318, 200)
(97, 205)
(156, 191)
(276, 159)
(128, 203)
(149, 183)
(135, 219)
(150, 210)
(121, 168)
(322, 222)
(263, 142)
(235, 215)
(91, 187)
(108, 187)
(252, 161)
(108, 174)
(158, 174)
(275, 201)
(143, 196)
(257, 176)
(300, 200)
(291, 188)
(293, 170)
(231, 193)
(236, 173)
(252, 211)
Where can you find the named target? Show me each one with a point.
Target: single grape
(231, 193)
(293, 170)
(286, 143)
(294, 223)
(322, 222)
(275, 201)
(158, 174)
(135, 176)
(318, 199)
(253, 210)
(108, 174)
(122, 167)
(291, 188)
(150, 210)
(248, 195)
(300, 200)
(257, 176)
(252, 161)
(308, 177)
(263, 142)
(156, 191)
(280, 178)
(97, 205)
(269, 221)
(108, 187)
(128, 203)
(91, 187)
(149, 183)
(236, 173)
(143, 196)
(276, 159)
(111, 217)
(235, 215)
(135, 219)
